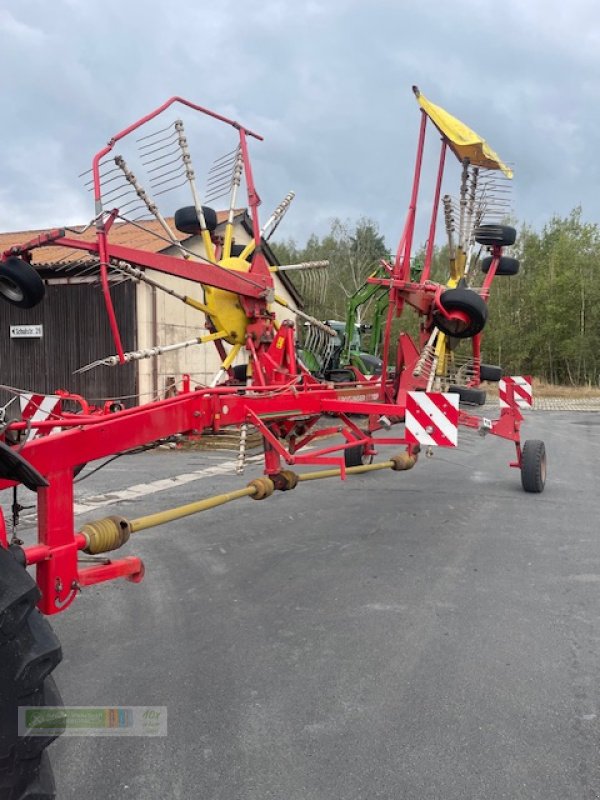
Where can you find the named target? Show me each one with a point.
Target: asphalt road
(423, 635)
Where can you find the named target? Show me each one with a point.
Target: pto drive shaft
(112, 532)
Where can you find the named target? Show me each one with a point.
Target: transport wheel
(20, 284)
(240, 373)
(474, 397)
(499, 235)
(186, 219)
(488, 372)
(467, 303)
(29, 651)
(355, 456)
(506, 266)
(533, 466)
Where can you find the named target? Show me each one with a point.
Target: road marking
(87, 504)
(142, 489)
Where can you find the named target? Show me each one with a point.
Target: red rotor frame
(284, 402)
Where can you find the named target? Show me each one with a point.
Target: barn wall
(163, 319)
(75, 333)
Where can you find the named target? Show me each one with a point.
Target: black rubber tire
(340, 375)
(16, 468)
(354, 456)
(29, 651)
(507, 265)
(186, 219)
(495, 235)
(240, 373)
(20, 284)
(373, 363)
(467, 301)
(533, 466)
(489, 372)
(469, 395)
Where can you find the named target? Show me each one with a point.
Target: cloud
(327, 83)
(18, 31)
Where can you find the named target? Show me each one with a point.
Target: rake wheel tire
(15, 467)
(29, 651)
(468, 302)
(489, 372)
(186, 219)
(533, 466)
(355, 456)
(466, 394)
(506, 266)
(240, 373)
(20, 284)
(495, 235)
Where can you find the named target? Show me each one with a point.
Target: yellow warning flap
(463, 142)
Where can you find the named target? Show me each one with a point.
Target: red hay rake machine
(419, 391)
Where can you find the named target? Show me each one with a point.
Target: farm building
(69, 329)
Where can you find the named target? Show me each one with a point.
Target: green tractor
(356, 345)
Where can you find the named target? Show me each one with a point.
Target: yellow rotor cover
(224, 308)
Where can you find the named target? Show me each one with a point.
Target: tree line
(545, 321)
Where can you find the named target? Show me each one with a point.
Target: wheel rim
(11, 290)
(543, 469)
(456, 326)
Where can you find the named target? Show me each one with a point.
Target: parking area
(429, 634)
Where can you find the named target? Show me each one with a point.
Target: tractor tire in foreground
(29, 651)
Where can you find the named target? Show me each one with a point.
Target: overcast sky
(328, 84)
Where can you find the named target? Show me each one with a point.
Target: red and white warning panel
(431, 418)
(518, 387)
(37, 408)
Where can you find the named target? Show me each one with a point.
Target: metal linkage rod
(300, 265)
(227, 362)
(450, 226)
(464, 179)
(425, 360)
(471, 204)
(112, 532)
(271, 224)
(313, 321)
(152, 520)
(191, 178)
(235, 185)
(473, 215)
(149, 203)
(241, 462)
(140, 275)
(151, 352)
